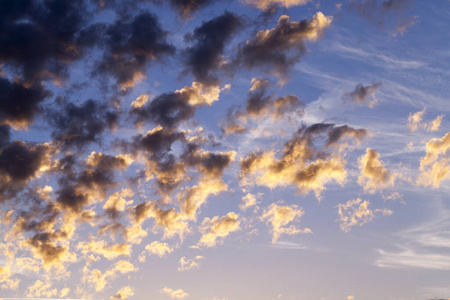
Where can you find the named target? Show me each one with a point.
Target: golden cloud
(279, 216)
(435, 165)
(374, 176)
(357, 212)
(218, 228)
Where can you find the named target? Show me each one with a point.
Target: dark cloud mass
(278, 49)
(167, 110)
(78, 125)
(131, 45)
(210, 40)
(19, 163)
(19, 104)
(40, 37)
(188, 6)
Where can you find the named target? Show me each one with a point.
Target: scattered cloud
(174, 294)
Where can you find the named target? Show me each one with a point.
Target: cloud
(356, 212)
(218, 228)
(159, 249)
(175, 294)
(170, 109)
(260, 106)
(206, 56)
(19, 104)
(78, 125)
(382, 13)
(374, 176)
(250, 200)
(21, 162)
(415, 122)
(189, 264)
(279, 217)
(268, 4)
(410, 258)
(130, 46)
(276, 50)
(100, 247)
(123, 293)
(186, 7)
(40, 288)
(46, 43)
(98, 280)
(435, 165)
(363, 95)
(301, 164)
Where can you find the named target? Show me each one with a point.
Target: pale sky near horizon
(238, 150)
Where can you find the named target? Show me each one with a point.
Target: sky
(238, 150)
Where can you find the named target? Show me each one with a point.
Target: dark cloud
(278, 49)
(78, 125)
(363, 94)
(40, 38)
(19, 163)
(5, 135)
(79, 188)
(210, 40)
(19, 104)
(131, 45)
(336, 134)
(378, 12)
(167, 110)
(186, 7)
(260, 105)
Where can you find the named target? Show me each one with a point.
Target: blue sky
(203, 149)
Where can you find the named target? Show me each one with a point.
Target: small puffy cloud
(100, 247)
(435, 165)
(374, 176)
(278, 49)
(357, 212)
(268, 4)
(188, 264)
(117, 200)
(280, 219)
(123, 293)
(159, 249)
(210, 39)
(249, 200)
(174, 294)
(363, 95)
(218, 228)
(99, 280)
(42, 289)
(415, 122)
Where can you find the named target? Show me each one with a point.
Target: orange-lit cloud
(124, 293)
(357, 213)
(159, 249)
(174, 294)
(214, 230)
(188, 264)
(435, 165)
(280, 219)
(267, 4)
(415, 122)
(374, 176)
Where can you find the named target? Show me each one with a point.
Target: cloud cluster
(278, 217)
(357, 213)
(374, 176)
(268, 4)
(301, 164)
(215, 229)
(174, 294)
(415, 122)
(363, 95)
(276, 50)
(435, 165)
